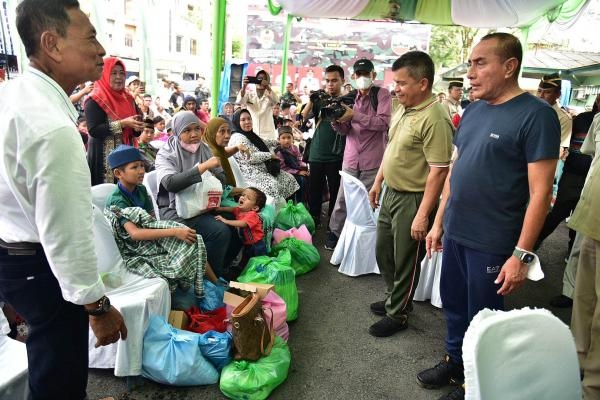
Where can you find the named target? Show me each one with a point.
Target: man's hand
(374, 195)
(418, 229)
(108, 328)
(348, 115)
(512, 275)
(303, 173)
(433, 240)
(186, 234)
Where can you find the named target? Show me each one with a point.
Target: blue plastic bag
(216, 347)
(213, 295)
(182, 300)
(172, 356)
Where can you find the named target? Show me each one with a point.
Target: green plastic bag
(255, 380)
(276, 271)
(267, 216)
(292, 216)
(305, 256)
(226, 200)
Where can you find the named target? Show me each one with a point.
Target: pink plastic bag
(301, 233)
(283, 332)
(277, 305)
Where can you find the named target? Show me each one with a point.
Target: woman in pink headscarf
(112, 119)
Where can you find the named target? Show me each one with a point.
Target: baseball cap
(364, 65)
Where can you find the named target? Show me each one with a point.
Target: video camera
(331, 107)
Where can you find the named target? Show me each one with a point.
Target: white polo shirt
(45, 182)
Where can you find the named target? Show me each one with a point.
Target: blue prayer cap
(122, 155)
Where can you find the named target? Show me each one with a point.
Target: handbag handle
(271, 336)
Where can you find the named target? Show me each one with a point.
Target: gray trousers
(338, 216)
(571, 269)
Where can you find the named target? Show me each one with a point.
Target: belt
(21, 248)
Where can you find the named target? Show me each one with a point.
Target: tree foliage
(450, 45)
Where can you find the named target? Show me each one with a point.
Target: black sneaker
(445, 373)
(331, 241)
(457, 394)
(388, 326)
(378, 308)
(561, 301)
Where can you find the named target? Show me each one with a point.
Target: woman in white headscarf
(180, 163)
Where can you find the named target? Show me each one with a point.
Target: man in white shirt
(260, 105)
(48, 265)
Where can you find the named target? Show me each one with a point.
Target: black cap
(551, 81)
(364, 65)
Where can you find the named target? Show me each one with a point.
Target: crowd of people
(492, 159)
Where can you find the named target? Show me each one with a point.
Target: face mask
(363, 82)
(191, 147)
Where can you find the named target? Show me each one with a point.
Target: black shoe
(378, 308)
(445, 373)
(317, 222)
(331, 241)
(561, 301)
(457, 394)
(388, 326)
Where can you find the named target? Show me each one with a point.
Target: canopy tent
(471, 13)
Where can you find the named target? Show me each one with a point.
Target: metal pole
(218, 47)
(4, 39)
(286, 48)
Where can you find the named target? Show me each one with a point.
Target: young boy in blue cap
(149, 247)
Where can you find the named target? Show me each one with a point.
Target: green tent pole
(286, 48)
(218, 49)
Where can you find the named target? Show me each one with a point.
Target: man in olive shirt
(586, 221)
(414, 167)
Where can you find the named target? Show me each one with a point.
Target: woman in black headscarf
(260, 168)
(179, 164)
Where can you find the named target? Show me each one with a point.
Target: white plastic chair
(520, 355)
(13, 364)
(151, 183)
(134, 296)
(355, 250)
(429, 280)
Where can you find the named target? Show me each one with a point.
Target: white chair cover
(355, 250)
(237, 173)
(520, 354)
(134, 296)
(100, 194)
(429, 280)
(13, 364)
(151, 183)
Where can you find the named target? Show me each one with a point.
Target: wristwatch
(102, 308)
(526, 257)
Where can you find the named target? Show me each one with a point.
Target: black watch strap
(102, 308)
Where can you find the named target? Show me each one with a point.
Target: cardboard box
(178, 319)
(234, 299)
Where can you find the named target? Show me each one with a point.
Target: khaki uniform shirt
(566, 125)
(586, 217)
(420, 137)
(452, 107)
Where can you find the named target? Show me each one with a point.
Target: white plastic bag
(199, 197)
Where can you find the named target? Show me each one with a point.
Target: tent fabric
(472, 13)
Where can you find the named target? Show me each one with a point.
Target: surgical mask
(191, 147)
(363, 82)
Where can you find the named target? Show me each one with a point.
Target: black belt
(21, 248)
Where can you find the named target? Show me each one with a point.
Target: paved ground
(333, 356)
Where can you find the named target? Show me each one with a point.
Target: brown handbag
(252, 338)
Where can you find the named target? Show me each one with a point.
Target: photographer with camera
(260, 103)
(327, 147)
(365, 126)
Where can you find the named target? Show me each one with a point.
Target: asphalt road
(334, 357)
